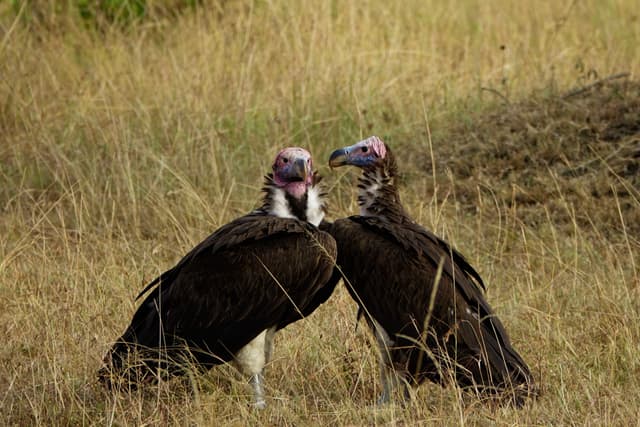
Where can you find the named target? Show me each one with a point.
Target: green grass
(122, 147)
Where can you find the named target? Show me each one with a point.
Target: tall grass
(120, 148)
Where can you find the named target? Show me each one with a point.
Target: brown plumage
(423, 300)
(226, 298)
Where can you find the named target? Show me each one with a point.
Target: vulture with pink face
(423, 301)
(228, 296)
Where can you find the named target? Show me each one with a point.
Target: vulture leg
(268, 344)
(258, 391)
(392, 384)
(251, 360)
(392, 380)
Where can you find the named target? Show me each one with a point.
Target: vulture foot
(258, 391)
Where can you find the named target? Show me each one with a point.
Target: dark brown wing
(254, 273)
(328, 283)
(391, 272)
(254, 226)
(404, 260)
(417, 240)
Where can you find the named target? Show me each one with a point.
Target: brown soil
(577, 155)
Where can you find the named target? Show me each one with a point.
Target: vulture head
(293, 171)
(366, 154)
(378, 194)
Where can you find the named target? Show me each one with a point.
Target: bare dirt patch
(574, 157)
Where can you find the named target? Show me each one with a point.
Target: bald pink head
(293, 171)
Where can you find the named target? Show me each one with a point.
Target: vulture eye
(285, 160)
(365, 149)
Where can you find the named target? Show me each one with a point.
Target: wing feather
(390, 271)
(252, 274)
(415, 238)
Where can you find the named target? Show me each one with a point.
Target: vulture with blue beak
(423, 301)
(228, 296)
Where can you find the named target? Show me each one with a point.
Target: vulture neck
(378, 195)
(310, 207)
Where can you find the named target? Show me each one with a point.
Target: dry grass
(122, 148)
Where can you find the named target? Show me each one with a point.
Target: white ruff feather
(314, 210)
(315, 207)
(279, 205)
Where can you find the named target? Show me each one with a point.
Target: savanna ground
(124, 144)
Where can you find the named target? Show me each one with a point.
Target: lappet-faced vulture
(422, 299)
(228, 296)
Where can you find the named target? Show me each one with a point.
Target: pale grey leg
(268, 344)
(258, 391)
(392, 381)
(251, 360)
(387, 388)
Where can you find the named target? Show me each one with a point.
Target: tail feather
(494, 366)
(120, 370)
(146, 352)
(128, 364)
(134, 358)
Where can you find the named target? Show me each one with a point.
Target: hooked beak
(340, 157)
(299, 170)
